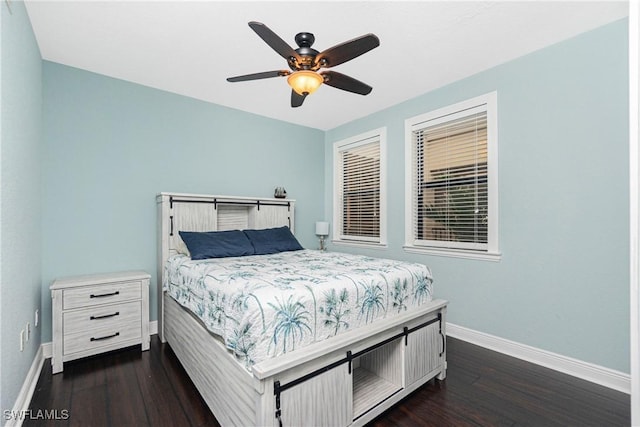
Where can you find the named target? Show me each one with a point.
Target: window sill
(455, 253)
(357, 244)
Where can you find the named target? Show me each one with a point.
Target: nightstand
(98, 313)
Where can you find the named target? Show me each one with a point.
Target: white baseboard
(23, 400)
(153, 327)
(587, 371)
(47, 350)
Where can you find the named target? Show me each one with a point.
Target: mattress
(263, 306)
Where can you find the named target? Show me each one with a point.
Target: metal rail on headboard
(226, 202)
(215, 202)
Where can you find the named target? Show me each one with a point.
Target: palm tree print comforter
(266, 305)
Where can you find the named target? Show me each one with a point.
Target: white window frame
(486, 102)
(364, 138)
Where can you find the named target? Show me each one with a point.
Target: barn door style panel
(267, 216)
(423, 353)
(324, 400)
(194, 216)
(190, 216)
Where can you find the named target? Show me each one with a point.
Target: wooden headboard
(198, 212)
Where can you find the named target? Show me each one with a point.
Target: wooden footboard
(347, 380)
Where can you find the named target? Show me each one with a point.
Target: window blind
(450, 192)
(359, 191)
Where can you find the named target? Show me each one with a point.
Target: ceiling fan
(305, 62)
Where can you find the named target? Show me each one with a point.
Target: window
(452, 180)
(359, 191)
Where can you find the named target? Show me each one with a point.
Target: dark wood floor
(483, 388)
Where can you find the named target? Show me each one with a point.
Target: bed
(291, 337)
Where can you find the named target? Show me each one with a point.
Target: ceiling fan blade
(344, 82)
(257, 76)
(273, 40)
(346, 51)
(297, 99)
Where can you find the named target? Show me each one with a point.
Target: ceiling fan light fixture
(305, 82)
(305, 61)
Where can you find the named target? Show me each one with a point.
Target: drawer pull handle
(117, 313)
(104, 295)
(105, 338)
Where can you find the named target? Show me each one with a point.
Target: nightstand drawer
(102, 317)
(89, 340)
(88, 296)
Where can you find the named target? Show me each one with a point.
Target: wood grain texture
(108, 293)
(98, 313)
(386, 362)
(92, 341)
(145, 339)
(191, 217)
(232, 217)
(420, 359)
(325, 400)
(102, 318)
(163, 229)
(57, 331)
(225, 385)
(273, 216)
(99, 278)
(369, 389)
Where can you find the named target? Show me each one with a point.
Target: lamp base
(323, 247)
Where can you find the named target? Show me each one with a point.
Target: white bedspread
(266, 305)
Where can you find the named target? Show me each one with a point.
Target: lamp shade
(322, 228)
(305, 82)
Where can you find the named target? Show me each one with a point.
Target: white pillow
(180, 246)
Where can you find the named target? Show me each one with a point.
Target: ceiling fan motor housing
(306, 52)
(305, 39)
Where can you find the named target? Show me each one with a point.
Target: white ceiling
(190, 47)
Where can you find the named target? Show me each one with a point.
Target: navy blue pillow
(217, 244)
(273, 240)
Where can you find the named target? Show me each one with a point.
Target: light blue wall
(563, 282)
(111, 146)
(20, 197)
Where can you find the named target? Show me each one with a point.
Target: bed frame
(346, 380)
